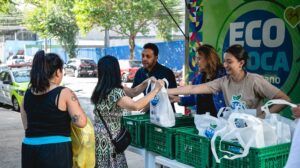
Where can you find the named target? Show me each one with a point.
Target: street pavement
(12, 133)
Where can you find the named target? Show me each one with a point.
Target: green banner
(270, 32)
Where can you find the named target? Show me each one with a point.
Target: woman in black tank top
(46, 112)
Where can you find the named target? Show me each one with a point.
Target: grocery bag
(207, 124)
(161, 111)
(284, 127)
(242, 128)
(83, 145)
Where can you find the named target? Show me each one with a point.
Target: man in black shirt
(152, 68)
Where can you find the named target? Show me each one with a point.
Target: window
(2, 75)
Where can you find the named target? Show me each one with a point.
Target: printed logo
(267, 41)
(155, 101)
(237, 104)
(240, 123)
(210, 131)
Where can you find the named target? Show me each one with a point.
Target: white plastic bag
(270, 133)
(281, 123)
(161, 111)
(284, 126)
(225, 112)
(207, 124)
(245, 129)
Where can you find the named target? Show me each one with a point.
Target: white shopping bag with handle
(225, 112)
(207, 125)
(242, 128)
(284, 127)
(161, 111)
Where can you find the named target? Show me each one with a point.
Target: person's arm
(278, 107)
(77, 114)
(132, 92)
(265, 89)
(129, 104)
(190, 89)
(23, 115)
(184, 100)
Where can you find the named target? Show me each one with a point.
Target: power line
(186, 37)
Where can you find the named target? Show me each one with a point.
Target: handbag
(121, 141)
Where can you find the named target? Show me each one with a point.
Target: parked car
(16, 59)
(128, 69)
(80, 67)
(13, 84)
(3, 67)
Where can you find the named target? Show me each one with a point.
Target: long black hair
(109, 77)
(239, 53)
(43, 68)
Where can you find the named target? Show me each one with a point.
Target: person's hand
(152, 79)
(174, 99)
(159, 84)
(296, 111)
(261, 115)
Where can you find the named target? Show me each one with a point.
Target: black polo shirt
(159, 72)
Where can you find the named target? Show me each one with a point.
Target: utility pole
(106, 38)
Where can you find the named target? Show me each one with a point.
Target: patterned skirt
(105, 155)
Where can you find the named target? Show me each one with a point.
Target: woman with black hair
(240, 88)
(46, 112)
(110, 101)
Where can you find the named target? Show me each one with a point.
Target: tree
(7, 6)
(54, 19)
(127, 17)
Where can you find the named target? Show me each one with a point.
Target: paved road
(12, 133)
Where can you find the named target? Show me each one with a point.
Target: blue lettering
(264, 63)
(281, 62)
(268, 62)
(254, 61)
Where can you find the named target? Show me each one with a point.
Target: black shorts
(57, 155)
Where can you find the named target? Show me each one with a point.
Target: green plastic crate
(136, 127)
(267, 157)
(192, 149)
(162, 140)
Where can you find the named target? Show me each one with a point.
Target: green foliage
(8, 7)
(54, 19)
(127, 17)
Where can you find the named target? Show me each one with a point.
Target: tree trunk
(132, 46)
(45, 45)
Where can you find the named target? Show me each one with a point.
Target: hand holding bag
(161, 111)
(121, 141)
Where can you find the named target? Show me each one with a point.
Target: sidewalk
(12, 133)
